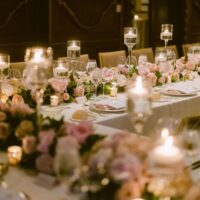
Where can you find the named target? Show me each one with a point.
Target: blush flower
(21, 109)
(17, 99)
(79, 91)
(80, 131)
(29, 144)
(3, 116)
(59, 85)
(46, 138)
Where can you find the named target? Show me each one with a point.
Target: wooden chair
(110, 59)
(185, 47)
(18, 66)
(83, 57)
(146, 51)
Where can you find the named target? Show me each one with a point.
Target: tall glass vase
(37, 72)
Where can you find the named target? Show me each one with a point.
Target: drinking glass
(166, 33)
(80, 71)
(37, 72)
(4, 67)
(130, 38)
(142, 59)
(73, 49)
(96, 79)
(91, 65)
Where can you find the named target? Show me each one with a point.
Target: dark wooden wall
(97, 23)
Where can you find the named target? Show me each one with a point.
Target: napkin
(185, 89)
(7, 194)
(112, 104)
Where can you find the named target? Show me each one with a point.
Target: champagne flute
(166, 33)
(130, 38)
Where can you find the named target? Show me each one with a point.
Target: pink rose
(66, 96)
(123, 69)
(80, 131)
(4, 106)
(29, 144)
(21, 109)
(108, 74)
(79, 91)
(44, 163)
(17, 99)
(46, 138)
(67, 142)
(59, 85)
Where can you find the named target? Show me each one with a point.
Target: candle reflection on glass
(14, 155)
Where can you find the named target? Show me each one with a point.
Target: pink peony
(59, 85)
(29, 144)
(123, 69)
(79, 91)
(80, 131)
(21, 109)
(46, 138)
(17, 99)
(44, 163)
(108, 74)
(4, 106)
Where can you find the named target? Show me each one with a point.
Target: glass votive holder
(14, 155)
(113, 91)
(54, 100)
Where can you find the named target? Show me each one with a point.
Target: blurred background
(97, 23)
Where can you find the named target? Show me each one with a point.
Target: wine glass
(37, 72)
(130, 38)
(91, 65)
(166, 33)
(96, 79)
(161, 60)
(80, 71)
(4, 67)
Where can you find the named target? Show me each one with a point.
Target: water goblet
(61, 69)
(166, 33)
(91, 65)
(130, 38)
(96, 79)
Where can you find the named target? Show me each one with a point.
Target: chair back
(18, 66)
(172, 47)
(146, 51)
(185, 47)
(110, 59)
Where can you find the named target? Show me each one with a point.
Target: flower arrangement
(18, 126)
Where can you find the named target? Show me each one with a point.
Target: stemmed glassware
(37, 72)
(166, 33)
(130, 38)
(91, 65)
(4, 68)
(96, 79)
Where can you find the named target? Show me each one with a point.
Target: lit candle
(73, 49)
(14, 155)
(140, 97)
(167, 153)
(60, 70)
(166, 33)
(54, 100)
(37, 57)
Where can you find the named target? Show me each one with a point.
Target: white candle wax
(130, 34)
(113, 91)
(73, 48)
(14, 155)
(59, 70)
(3, 65)
(166, 154)
(166, 33)
(54, 100)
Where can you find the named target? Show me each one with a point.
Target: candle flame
(38, 55)
(165, 133)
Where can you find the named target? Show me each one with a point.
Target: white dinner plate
(105, 108)
(177, 93)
